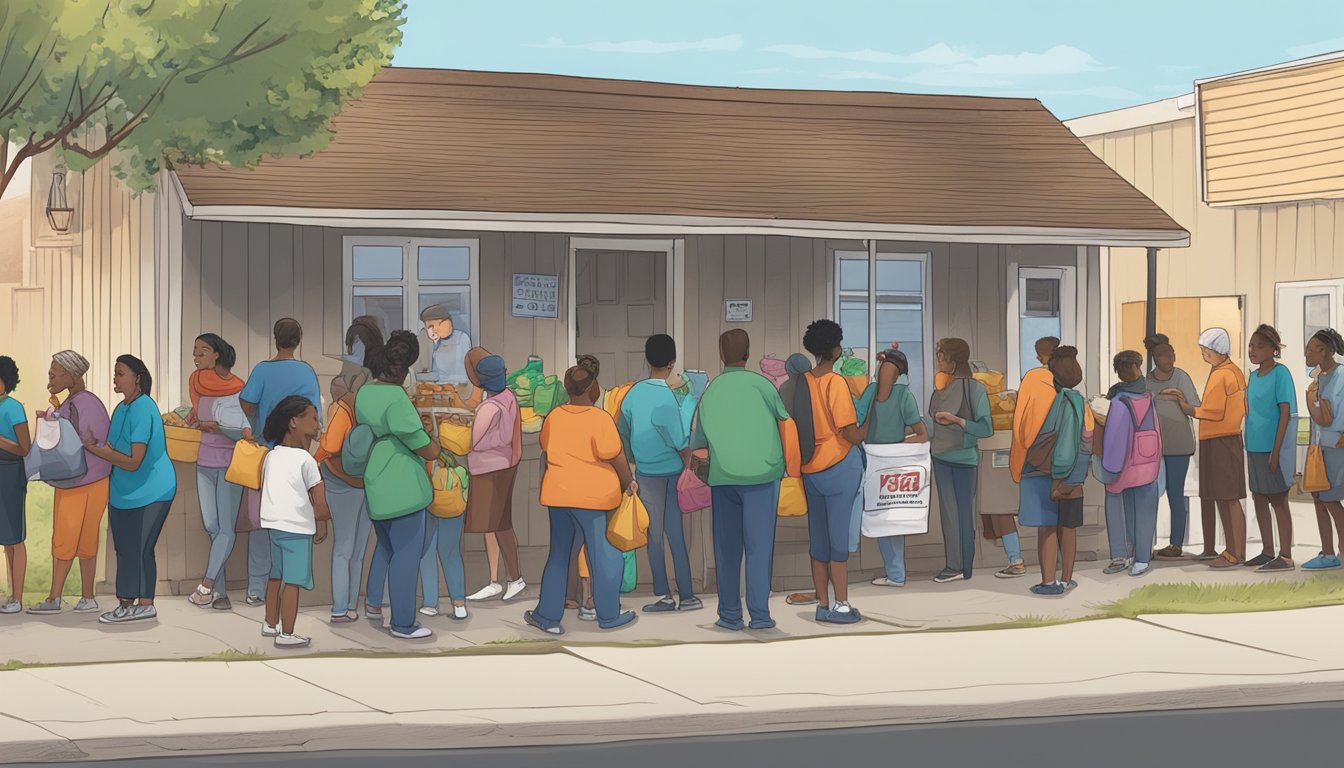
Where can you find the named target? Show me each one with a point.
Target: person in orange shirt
(828, 440)
(350, 519)
(1035, 397)
(1222, 455)
(585, 472)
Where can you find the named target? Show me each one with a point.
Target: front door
(620, 301)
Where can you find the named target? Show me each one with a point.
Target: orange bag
(792, 498)
(246, 465)
(1314, 477)
(628, 525)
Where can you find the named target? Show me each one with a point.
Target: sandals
(1277, 565)
(801, 598)
(201, 599)
(345, 618)
(1205, 557)
(1225, 560)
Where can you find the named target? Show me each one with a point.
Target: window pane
(456, 300)
(445, 262)
(854, 322)
(853, 275)
(1041, 298)
(376, 262)
(1032, 329)
(386, 304)
(1315, 314)
(900, 276)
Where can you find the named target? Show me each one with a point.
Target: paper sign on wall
(737, 311)
(536, 296)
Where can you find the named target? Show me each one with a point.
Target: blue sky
(1074, 60)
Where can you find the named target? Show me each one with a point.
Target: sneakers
(948, 575)
(417, 633)
(118, 615)
(840, 613)
(1053, 589)
(144, 613)
(1276, 565)
(428, 611)
(761, 624)
(254, 601)
(459, 613)
(664, 605)
(222, 604)
(730, 624)
(1139, 569)
(283, 640)
(1070, 585)
(1016, 570)
(1204, 557)
(1259, 560)
(489, 591)
(883, 581)
(552, 629)
(13, 606)
(1321, 562)
(47, 607)
(587, 614)
(515, 589)
(691, 603)
(86, 605)
(269, 631)
(620, 621)
(1115, 567)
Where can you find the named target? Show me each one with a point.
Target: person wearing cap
(77, 513)
(496, 449)
(1222, 454)
(447, 349)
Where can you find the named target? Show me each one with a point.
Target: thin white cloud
(725, 43)
(943, 58)
(1316, 49)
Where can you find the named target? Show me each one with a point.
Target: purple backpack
(1132, 445)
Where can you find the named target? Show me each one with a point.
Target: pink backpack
(1133, 445)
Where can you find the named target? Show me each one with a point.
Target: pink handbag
(692, 494)
(775, 370)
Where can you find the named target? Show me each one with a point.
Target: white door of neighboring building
(1300, 310)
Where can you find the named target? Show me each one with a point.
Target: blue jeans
(830, 507)
(1012, 546)
(135, 532)
(258, 549)
(401, 544)
(1177, 469)
(351, 526)
(605, 562)
(893, 557)
(443, 546)
(659, 495)
(1131, 523)
(220, 501)
(744, 523)
(956, 512)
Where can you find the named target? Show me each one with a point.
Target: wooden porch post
(872, 309)
(1150, 301)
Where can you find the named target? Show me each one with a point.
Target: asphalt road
(1219, 738)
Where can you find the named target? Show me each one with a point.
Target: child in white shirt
(294, 510)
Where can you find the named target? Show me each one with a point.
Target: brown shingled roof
(445, 140)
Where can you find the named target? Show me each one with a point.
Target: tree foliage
(182, 82)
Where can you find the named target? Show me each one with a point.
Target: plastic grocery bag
(546, 396)
(524, 382)
(628, 525)
(896, 485)
(57, 454)
(792, 498)
(630, 576)
(692, 494)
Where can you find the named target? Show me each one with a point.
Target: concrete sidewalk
(593, 694)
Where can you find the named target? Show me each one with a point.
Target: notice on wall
(536, 296)
(737, 311)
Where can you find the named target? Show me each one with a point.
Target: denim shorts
(830, 504)
(292, 558)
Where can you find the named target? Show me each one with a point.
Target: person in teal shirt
(1271, 447)
(14, 444)
(738, 420)
(141, 490)
(656, 443)
(961, 417)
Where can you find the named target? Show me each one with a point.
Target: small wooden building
(617, 210)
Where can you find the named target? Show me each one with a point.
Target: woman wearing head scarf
(496, 448)
(213, 382)
(1178, 443)
(77, 513)
(1222, 454)
(961, 418)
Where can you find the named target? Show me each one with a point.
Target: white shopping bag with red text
(896, 489)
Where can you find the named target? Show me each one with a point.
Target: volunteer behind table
(448, 348)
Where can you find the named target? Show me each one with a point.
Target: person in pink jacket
(496, 448)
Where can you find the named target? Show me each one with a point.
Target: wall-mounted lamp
(59, 212)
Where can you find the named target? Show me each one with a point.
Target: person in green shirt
(396, 484)
(961, 418)
(738, 420)
(888, 411)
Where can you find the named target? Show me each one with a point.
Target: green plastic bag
(547, 396)
(629, 580)
(851, 366)
(524, 382)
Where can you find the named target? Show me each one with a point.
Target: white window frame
(922, 258)
(1069, 324)
(410, 283)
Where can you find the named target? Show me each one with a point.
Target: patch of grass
(1314, 591)
(1021, 622)
(13, 664)
(233, 654)
(37, 580)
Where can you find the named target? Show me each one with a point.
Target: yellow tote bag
(1314, 477)
(450, 500)
(455, 438)
(245, 466)
(628, 525)
(792, 499)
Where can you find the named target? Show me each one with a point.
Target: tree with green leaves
(182, 82)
